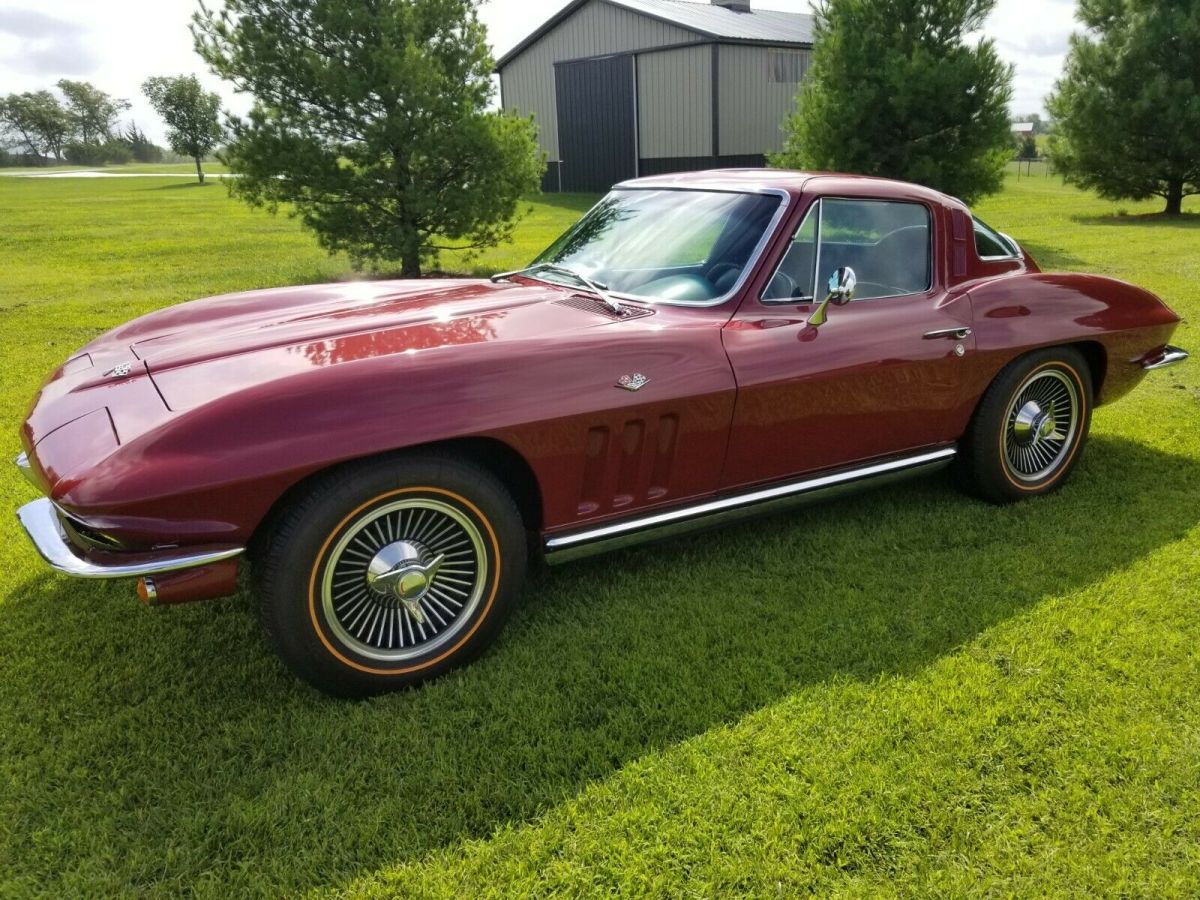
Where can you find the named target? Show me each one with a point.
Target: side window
(886, 243)
(794, 278)
(989, 244)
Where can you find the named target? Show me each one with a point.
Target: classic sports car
(697, 347)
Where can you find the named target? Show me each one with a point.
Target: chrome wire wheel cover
(1041, 425)
(404, 578)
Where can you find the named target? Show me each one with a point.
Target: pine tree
(371, 120)
(1127, 107)
(898, 89)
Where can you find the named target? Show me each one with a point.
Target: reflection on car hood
(351, 317)
(199, 350)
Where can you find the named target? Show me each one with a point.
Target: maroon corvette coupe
(697, 347)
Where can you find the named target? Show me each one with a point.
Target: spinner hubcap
(1034, 423)
(1041, 425)
(402, 570)
(404, 578)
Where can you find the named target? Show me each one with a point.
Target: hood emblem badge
(633, 382)
(121, 371)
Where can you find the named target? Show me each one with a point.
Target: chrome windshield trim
(1170, 356)
(567, 546)
(40, 521)
(785, 199)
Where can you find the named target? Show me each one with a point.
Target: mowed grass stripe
(907, 692)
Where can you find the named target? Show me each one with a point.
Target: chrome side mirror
(841, 290)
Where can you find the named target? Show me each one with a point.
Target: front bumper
(1167, 356)
(25, 467)
(43, 523)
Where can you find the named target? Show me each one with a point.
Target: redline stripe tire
(386, 573)
(1030, 427)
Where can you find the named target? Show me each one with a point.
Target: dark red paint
(236, 399)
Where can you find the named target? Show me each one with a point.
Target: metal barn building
(622, 88)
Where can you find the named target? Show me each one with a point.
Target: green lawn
(909, 692)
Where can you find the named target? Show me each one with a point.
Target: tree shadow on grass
(212, 181)
(1054, 259)
(1145, 220)
(167, 748)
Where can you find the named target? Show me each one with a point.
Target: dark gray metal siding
(597, 122)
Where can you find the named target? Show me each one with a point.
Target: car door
(883, 374)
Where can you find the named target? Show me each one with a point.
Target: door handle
(960, 333)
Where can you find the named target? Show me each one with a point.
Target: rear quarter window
(989, 244)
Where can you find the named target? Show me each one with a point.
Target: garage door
(597, 122)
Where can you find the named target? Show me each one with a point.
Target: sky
(117, 45)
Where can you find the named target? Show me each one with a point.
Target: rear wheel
(1027, 433)
(391, 572)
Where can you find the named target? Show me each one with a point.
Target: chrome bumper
(1168, 356)
(41, 522)
(25, 468)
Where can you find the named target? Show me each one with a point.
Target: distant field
(908, 693)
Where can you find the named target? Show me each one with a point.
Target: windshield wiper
(599, 289)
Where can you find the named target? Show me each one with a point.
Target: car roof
(792, 181)
(725, 179)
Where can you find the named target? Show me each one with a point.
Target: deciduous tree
(93, 113)
(192, 115)
(1127, 108)
(35, 122)
(371, 120)
(899, 88)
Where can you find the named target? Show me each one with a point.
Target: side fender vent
(599, 307)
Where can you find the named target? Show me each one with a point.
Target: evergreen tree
(144, 150)
(371, 120)
(1127, 107)
(898, 88)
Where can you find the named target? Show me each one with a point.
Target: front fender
(213, 471)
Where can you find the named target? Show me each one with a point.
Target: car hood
(233, 324)
(199, 350)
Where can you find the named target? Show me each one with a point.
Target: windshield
(688, 247)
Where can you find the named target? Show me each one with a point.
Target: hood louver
(600, 308)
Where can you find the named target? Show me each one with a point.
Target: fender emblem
(120, 371)
(634, 382)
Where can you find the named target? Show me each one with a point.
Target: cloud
(29, 23)
(46, 44)
(1048, 44)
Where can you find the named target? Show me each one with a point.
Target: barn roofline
(704, 36)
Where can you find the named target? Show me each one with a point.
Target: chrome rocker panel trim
(1170, 356)
(40, 519)
(564, 547)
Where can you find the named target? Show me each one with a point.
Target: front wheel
(387, 573)
(1031, 424)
